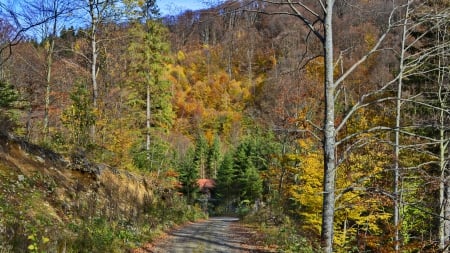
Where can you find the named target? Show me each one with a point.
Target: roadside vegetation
(49, 204)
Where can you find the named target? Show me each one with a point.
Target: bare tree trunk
(397, 194)
(94, 72)
(148, 118)
(443, 192)
(446, 225)
(444, 187)
(48, 88)
(329, 143)
(50, 52)
(148, 123)
(93, 37)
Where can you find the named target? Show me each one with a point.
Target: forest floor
(218, 234)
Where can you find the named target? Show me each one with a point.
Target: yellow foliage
(210, 134)
(181, 56)
(246, 94)
(273, 60)
(370, 40)
(234, 89)
(204, 95)
(315, 69)
(308, 192)
(177, 76)
(357, 210)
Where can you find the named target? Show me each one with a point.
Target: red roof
(205, 183)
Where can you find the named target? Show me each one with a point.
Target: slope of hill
(49, 203)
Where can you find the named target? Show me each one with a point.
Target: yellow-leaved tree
(362, 206)
(307, 191)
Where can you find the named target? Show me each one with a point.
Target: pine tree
(80, 116)
(149, 55)
(226, 181)
(201, 155)
(214, 158)
(8, 96)
(189, 175)
(250, 183)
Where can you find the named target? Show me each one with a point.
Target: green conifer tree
(80, 116)
(149, 51)
(214, 158)
(226, 182)
(188, 175)
(8, 96)
(248, 178)
(201, 155)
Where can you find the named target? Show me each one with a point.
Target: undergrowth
(278, 230)
(40, 213)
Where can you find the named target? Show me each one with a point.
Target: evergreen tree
(251, 184)
(80, 116)
(214, 158)
(242, 159)
(148, 54)
(188, 175)
(247, 175)
(8, 96)
(201, 155)
(226, 181)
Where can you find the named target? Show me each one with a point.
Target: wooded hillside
(324, 121)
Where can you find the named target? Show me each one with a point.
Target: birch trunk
(94, 21)
(49, 63)
(56, 8)
(444, 188)
(329, 143)
(397, 194)
(48, 88)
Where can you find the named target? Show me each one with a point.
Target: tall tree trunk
(329, 142)
(48, 87)
(49, 63)
(250, 55)
(446, 221)
(397, 194)
(444, 187)
(283, 171)
(443, 192)
(94, 21)
(148, 125)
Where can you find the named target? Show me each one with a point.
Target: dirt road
(211, 236)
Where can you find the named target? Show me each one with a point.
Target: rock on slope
(51, 203)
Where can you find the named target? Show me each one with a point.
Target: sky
(168, 7)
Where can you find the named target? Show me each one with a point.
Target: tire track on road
(210, 236)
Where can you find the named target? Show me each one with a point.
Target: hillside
(50, 203)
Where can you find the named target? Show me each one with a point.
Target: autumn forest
(323, 122)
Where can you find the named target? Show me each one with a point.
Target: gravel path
(211, 236)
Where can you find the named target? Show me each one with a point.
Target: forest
(323, 122)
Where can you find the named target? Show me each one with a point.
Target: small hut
(205, 186)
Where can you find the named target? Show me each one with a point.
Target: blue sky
(175, 6)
